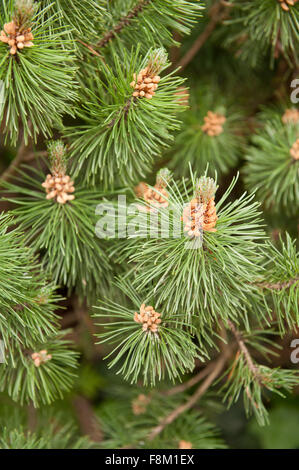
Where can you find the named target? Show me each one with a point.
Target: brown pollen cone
(145, 84)
(200, 214)
(16, 37)
(148, 317)
(154, 198)
(182, 96)
(193, 218)
(290, 116)
(139, 404)
(294, 151)
(140, 189)
(210, 217)
(213, 125)
(59, 187)
(285, 4)
(185, 444)
(41, 357)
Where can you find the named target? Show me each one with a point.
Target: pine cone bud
(148, 318)
(140, 189)
(213, 124)
(290, 116)
(182, 96)
(146, 82)
(205, 189)
(200, 213)
(157, 196)
(57, 156)
(139, 404)
(163, 177)
(185, 444)
(17, 33)
(58, 185)
(16, 39)
(294, 151)
(285, 4)
(157, 61)
(41, 357)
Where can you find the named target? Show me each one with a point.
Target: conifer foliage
(149, 267)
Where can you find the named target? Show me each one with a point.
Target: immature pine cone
(140, 403)
(290, 116)
(16, 37)
(294, 152)
(41, 357)
(213, 123)
(200, 213)
(148, 318)
(286, 3)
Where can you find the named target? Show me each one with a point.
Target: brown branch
(22, 152)
(125, 21)
(33, 155)
(91, 49)
(88, 422)
(84, 323)
(31, 417)
(124, 110)
(244, 350)
(204, 372)
(174, 52)
(214, 372)
(218, 13)
(193, 381)
(278, 285)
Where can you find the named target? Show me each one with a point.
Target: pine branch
(199, 142)
(125, 21)
(123, 111)
(20, 157)
(149, 22)
(103, 147)
(260, 29)
(38, 80)
(215, 372)
(33, 155)
(278, 285)
(218, 13)
(272, 163)
(88, 422)
(243, 348)
(72, 223)
(89, 47)
(193, 381)
(252, 379)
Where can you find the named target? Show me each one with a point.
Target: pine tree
(149, 224)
